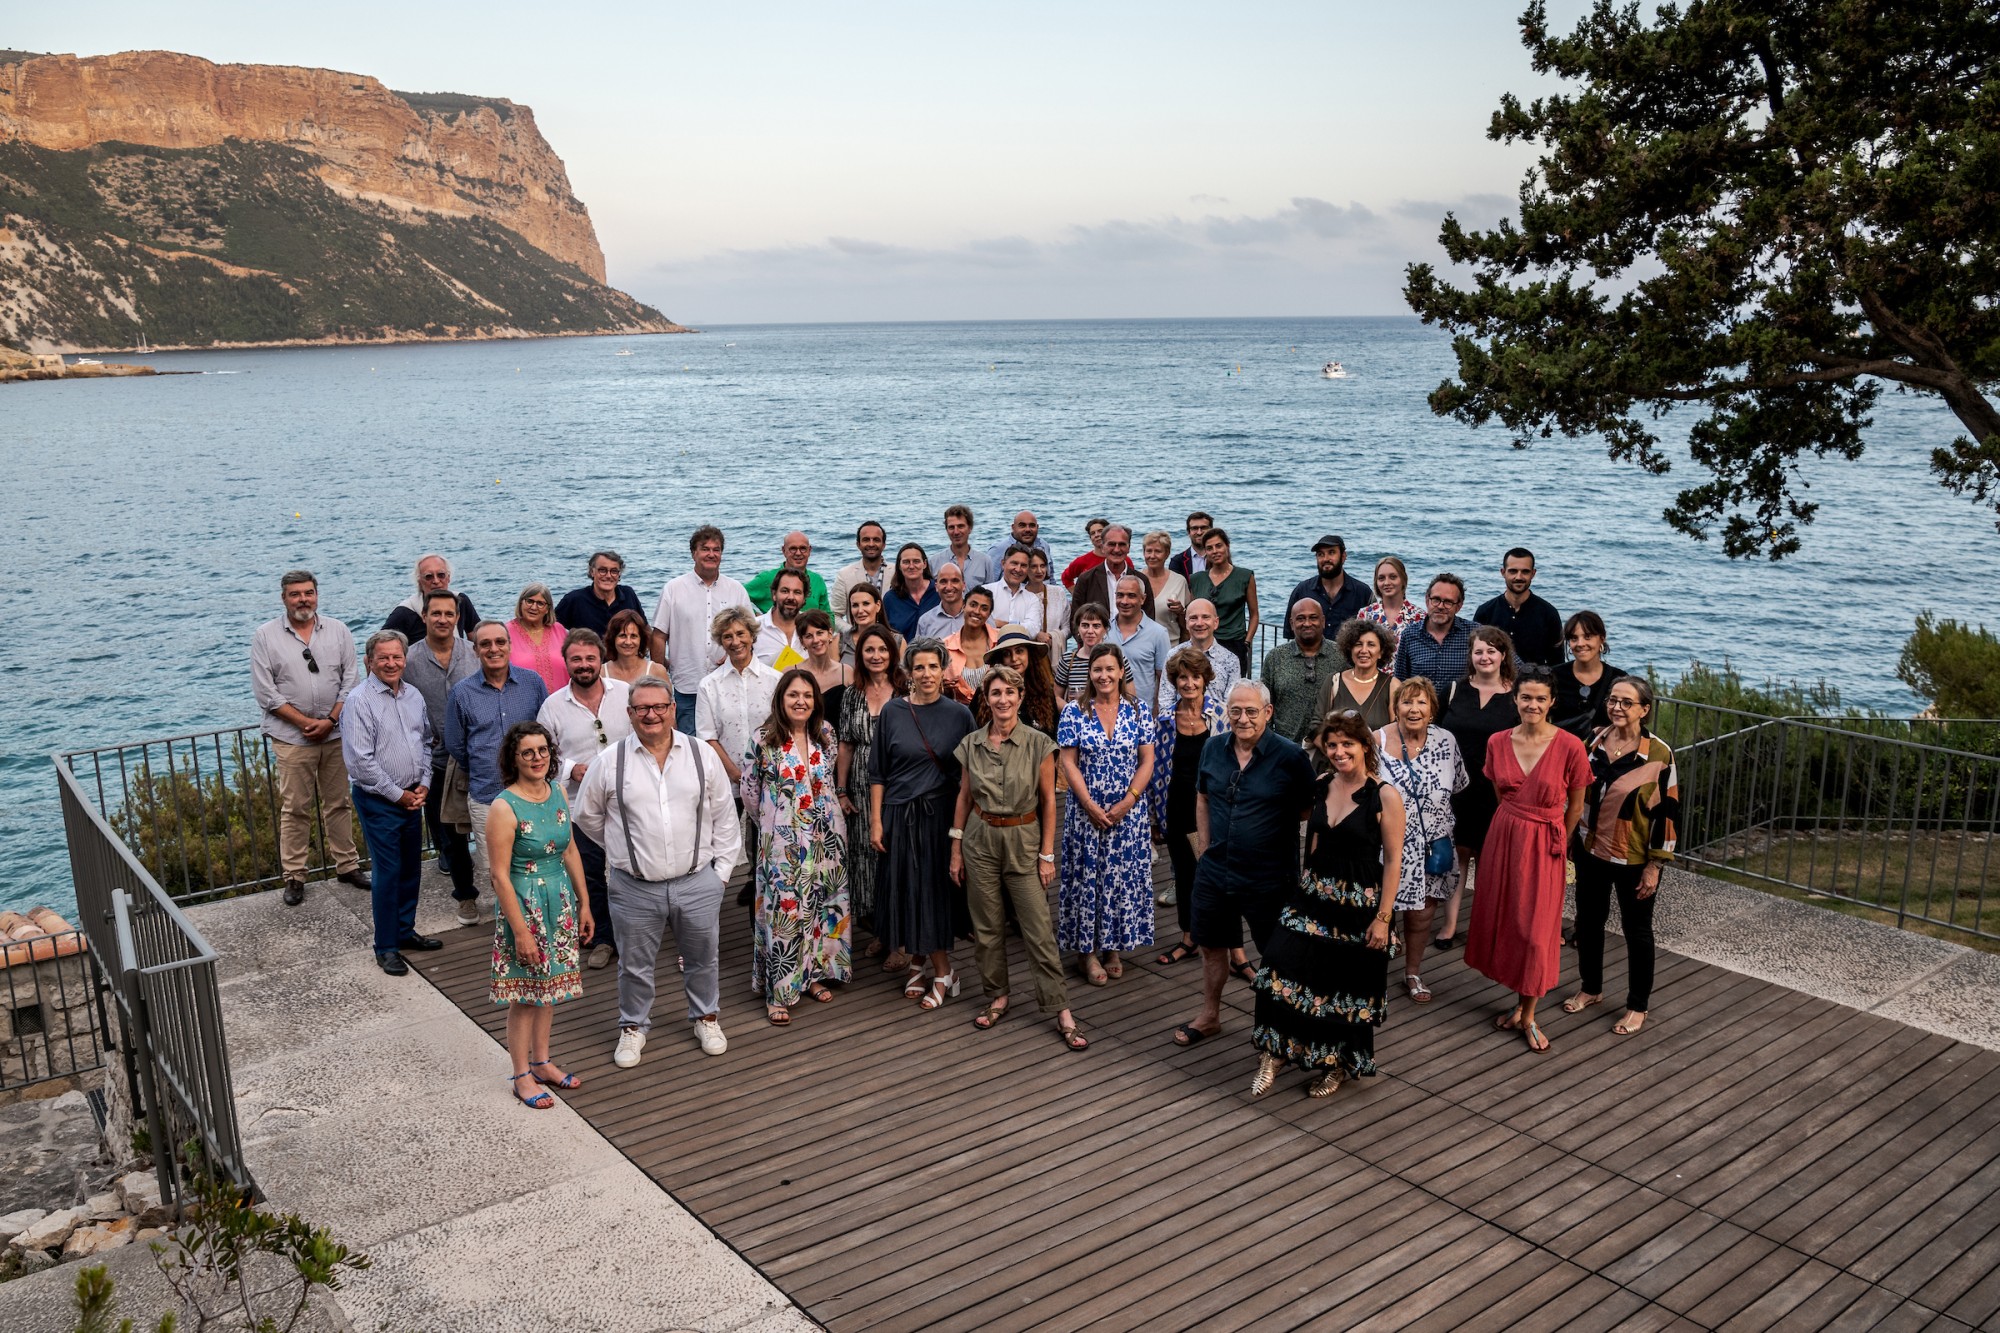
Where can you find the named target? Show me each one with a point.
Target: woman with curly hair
(1364, 683)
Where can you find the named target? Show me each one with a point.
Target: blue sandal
(541, 1101)
(566, 1082)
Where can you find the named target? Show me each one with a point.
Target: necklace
(1369, 679)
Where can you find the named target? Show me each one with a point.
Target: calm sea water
(151, 518)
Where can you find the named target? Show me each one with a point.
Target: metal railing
(51, 1010)
(201, 810)
(1840, 809)
(162, 977)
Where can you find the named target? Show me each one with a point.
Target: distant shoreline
(399, 339)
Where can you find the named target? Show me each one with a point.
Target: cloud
(1207, 200)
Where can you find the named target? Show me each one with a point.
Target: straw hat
(1015, 637)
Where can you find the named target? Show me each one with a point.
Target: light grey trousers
(641, 911)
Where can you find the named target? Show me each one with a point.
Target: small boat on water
(624, 351)
(87, 361)
(1333, 370)
(144, 348)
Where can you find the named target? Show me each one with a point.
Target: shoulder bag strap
(1423, 832)
(917, 721)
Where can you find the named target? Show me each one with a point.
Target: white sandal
(1418, 991)
(942, 988)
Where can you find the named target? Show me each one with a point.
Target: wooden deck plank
(1753, 1159)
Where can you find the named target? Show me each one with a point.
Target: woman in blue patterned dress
(543, 915)
(1422, 762)
(1106, 900)
(803, 929)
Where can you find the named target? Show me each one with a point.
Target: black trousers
(1596, 881)
(453, 847)
(592, 856)
(1180, 855)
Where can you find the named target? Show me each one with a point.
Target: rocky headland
(201, 204)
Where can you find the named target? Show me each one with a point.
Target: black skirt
(917, 907)
(1322, 991)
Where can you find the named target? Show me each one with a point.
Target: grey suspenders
(700, 800)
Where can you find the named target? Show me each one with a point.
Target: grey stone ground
(371, 1105)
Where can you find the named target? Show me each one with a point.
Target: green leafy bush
(198, 835)
(1955, 666)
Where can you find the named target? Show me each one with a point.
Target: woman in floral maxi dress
(803, 928)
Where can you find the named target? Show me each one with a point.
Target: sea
(152, 517)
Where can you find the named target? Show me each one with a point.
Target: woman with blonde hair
(535, 639)
(1391, 607)
(1167, 593)
(1421, 761)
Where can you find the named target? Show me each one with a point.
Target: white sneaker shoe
(630, 1042)
(468, 912)
(708, 1031)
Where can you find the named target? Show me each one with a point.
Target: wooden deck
(1756, 1158)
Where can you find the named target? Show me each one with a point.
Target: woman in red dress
(1540, 773)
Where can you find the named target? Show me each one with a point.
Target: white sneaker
(468, 912)
(708, 1031)
(630, 1042)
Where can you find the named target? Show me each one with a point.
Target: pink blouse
(546, 661)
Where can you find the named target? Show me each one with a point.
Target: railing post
(165, 1157)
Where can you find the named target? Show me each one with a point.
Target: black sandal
(1180, 953)
(1243, 971)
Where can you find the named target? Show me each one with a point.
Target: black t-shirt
(1537, 629)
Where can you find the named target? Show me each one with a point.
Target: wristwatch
(955, 834)
(1050, 857)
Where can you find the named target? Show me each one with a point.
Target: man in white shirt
(778, 630)
(1013, 604)
(870, 539)
(660, 807)
(587, 717)
(1146, 645)
(1202, 622)
(687, 607)
(948, 616)
(974, 566)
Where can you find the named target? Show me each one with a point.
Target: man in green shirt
(798, 549)
(1293, 672)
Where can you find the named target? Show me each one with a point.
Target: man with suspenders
(663, 812)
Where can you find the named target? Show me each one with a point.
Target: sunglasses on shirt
(312, 663)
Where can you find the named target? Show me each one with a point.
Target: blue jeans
(396, 847)
(684, 713)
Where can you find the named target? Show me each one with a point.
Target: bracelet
(1050, 857)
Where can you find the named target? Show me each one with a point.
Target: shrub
(1954, 666)
(199, 835)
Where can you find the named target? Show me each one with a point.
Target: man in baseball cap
(1341, 596)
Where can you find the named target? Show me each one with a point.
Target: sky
(789, 162)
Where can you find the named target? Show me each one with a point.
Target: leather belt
(1007, 821)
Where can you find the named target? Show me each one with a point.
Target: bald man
(797, 549)
(1027, 532)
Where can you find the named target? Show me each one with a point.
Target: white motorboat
(624, 351)
(87, 361)
(1333, 370)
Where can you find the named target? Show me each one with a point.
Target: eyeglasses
(1243, 712)
(538, 752)
(648, 710)
(534, 601)
(1442, 601)
(1621, 704)
(312, 663)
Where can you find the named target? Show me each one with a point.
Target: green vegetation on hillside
(157, 239)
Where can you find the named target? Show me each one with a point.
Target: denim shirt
(476, 719)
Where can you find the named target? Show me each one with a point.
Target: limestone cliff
(202, 203)
(446, 154)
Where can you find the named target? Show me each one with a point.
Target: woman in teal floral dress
(803, 931)
(544, 912)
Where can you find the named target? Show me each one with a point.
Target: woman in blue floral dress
(1105, 903)
(543, 912)
(803, 932)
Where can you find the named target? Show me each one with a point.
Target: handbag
(1439, 854)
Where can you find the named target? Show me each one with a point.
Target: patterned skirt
(1321, 991)
(548, 904)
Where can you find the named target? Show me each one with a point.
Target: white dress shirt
(730, 705)
(771, 641)
(686, 609)
(659, 812)
(582, 735)
(1021, 608)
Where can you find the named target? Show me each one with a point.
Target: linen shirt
(580, 608)
(579, 737)
(1536, 628)
(772, 641)
(434, 681)
(1021, 608)
(1227, 672)
(1294, 680)
(937, 623)
(387, 739)
(476, 718)
(1254, 812)
(730, 705)
(279, 674)
(1004, 781)
(976, 567)
(684, 613)
(659, 811)
(1146, 651)
(1418, 654)
(851, 576)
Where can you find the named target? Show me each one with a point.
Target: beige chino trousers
(306, 773)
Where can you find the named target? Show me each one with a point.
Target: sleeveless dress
(1321, 992)
(548, 903)
(1473, 725)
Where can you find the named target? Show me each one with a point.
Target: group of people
(927, 751)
